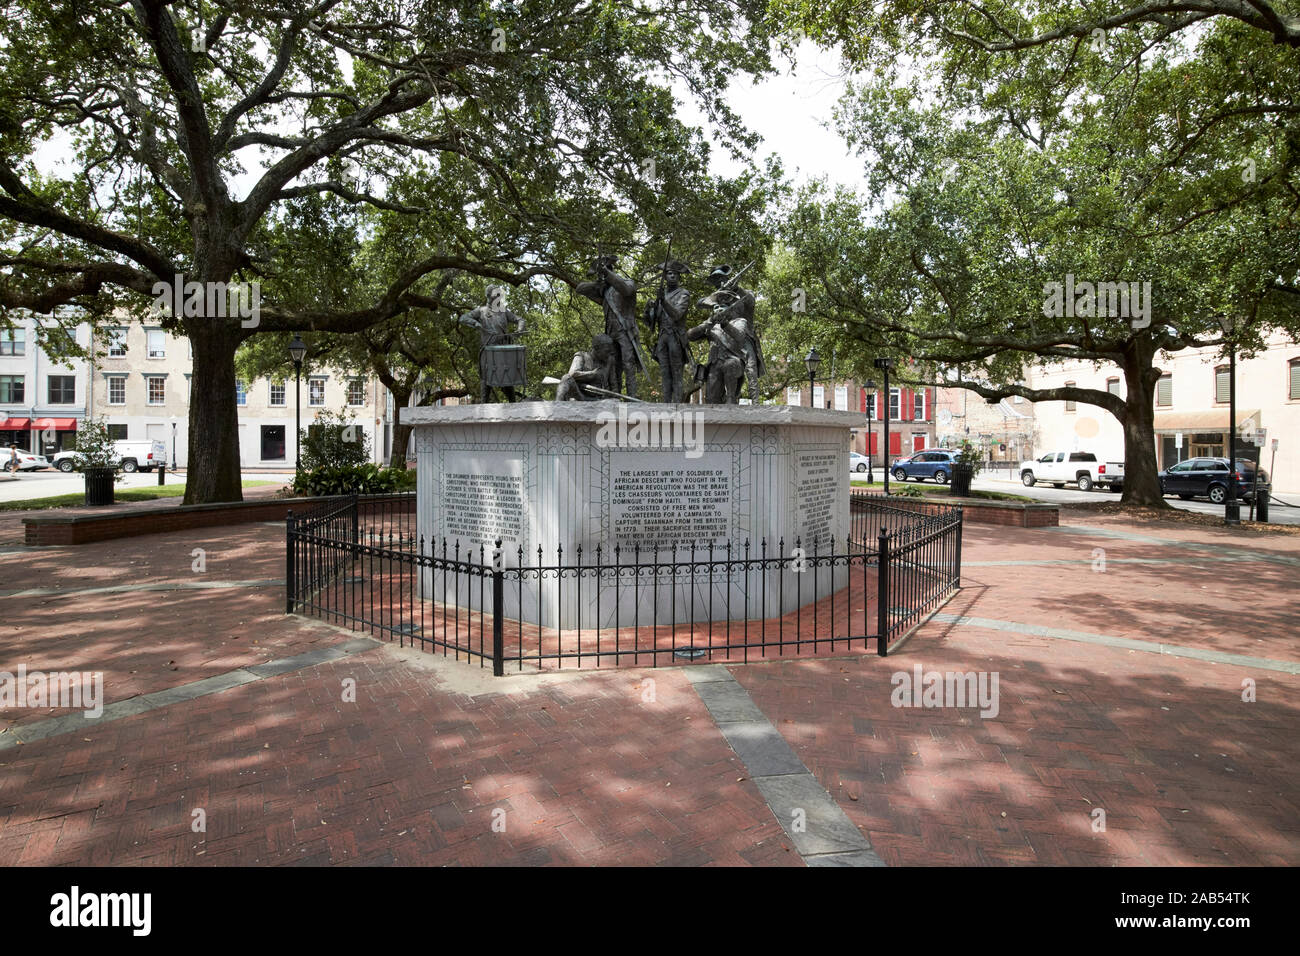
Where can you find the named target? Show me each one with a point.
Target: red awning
(12, 424)
(58, 424)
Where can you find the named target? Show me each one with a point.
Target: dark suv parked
(934, 463)
(1208, 478)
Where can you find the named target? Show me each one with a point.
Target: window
(895, 396)
(62, 389)
(1165, 391)
(1222, 381)
(117, 343)
(356, 392)
(793, 396)
(157, 389)
(241, 392)
(13, 342)
(157, 343)
(1112, 386)
(117, 390)
(316, 391)
(11, 388)
(1293, 387)
(273, 442)
(277, 395)
(1018, 399)
(918, 410)
(1069, 402)
(117, 432)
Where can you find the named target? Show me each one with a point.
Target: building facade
(911, 416)
(1004, 431)
(1191, 408)
(42, 401)
(141, 389)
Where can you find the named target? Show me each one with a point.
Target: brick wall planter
(83, 529)
(1017, 514)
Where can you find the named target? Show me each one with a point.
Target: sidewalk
(1097, 710)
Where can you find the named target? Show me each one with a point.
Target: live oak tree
(1146, 157)
(203, 137)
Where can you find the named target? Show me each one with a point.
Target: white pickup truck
(1061, 468)
(143, 455)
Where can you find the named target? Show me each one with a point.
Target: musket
(552, 380)
(735, 278)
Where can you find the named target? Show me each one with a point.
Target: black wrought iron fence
(358, 562)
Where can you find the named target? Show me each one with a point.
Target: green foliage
(968, 454)
(366, 479)
(95, 446)
(334, 439)
(907, 491)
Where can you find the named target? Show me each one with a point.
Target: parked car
(857, 462)
(26, 461)
(143, 455)
(1061, 468)
(1208, 478)
(933, 463)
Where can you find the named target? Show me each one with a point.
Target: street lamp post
(297, 352)
(885, 364)
(870, 386)
(173, 445)
(812, 361)
(1231, 508)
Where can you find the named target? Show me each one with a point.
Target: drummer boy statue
(500, 360)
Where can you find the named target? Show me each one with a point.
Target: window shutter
(1165, 390)
(895, 443)
(1221, 383)
(1295, 379)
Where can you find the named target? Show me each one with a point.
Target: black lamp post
(812, 361)
(870, 386)
(297, 352)
(885, 364)
(1231, 508)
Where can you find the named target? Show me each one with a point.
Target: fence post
(290, 583)
(498, 611)
(355, 508)
(959, 528)
(882, 589)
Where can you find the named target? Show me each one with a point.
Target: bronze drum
(502, 366)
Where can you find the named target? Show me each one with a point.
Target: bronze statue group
(616, 359)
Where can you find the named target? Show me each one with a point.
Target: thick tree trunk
(401, 432)
(212, 472)
(1141, 474)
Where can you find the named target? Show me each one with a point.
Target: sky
(792, 112)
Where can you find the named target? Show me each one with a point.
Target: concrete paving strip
(151, 586)
(1215, 549)
(1127, 643)
(71, 723)
(813, 821)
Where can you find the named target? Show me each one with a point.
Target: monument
(653, 481)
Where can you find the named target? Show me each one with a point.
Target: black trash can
(962, 473)
(1261, 506)
(99, 486)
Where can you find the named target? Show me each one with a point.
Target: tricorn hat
(719, 275)
(676, 265)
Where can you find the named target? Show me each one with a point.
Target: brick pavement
(588, 770)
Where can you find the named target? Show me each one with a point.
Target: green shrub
(367, 479)
(907, 491)
(334, 439)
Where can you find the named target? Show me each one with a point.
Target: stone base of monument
(609, 510)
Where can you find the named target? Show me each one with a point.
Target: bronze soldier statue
(664, 316)
(737, 305)
(595, 369)
(617, 296)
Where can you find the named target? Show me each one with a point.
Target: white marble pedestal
(648, 479)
